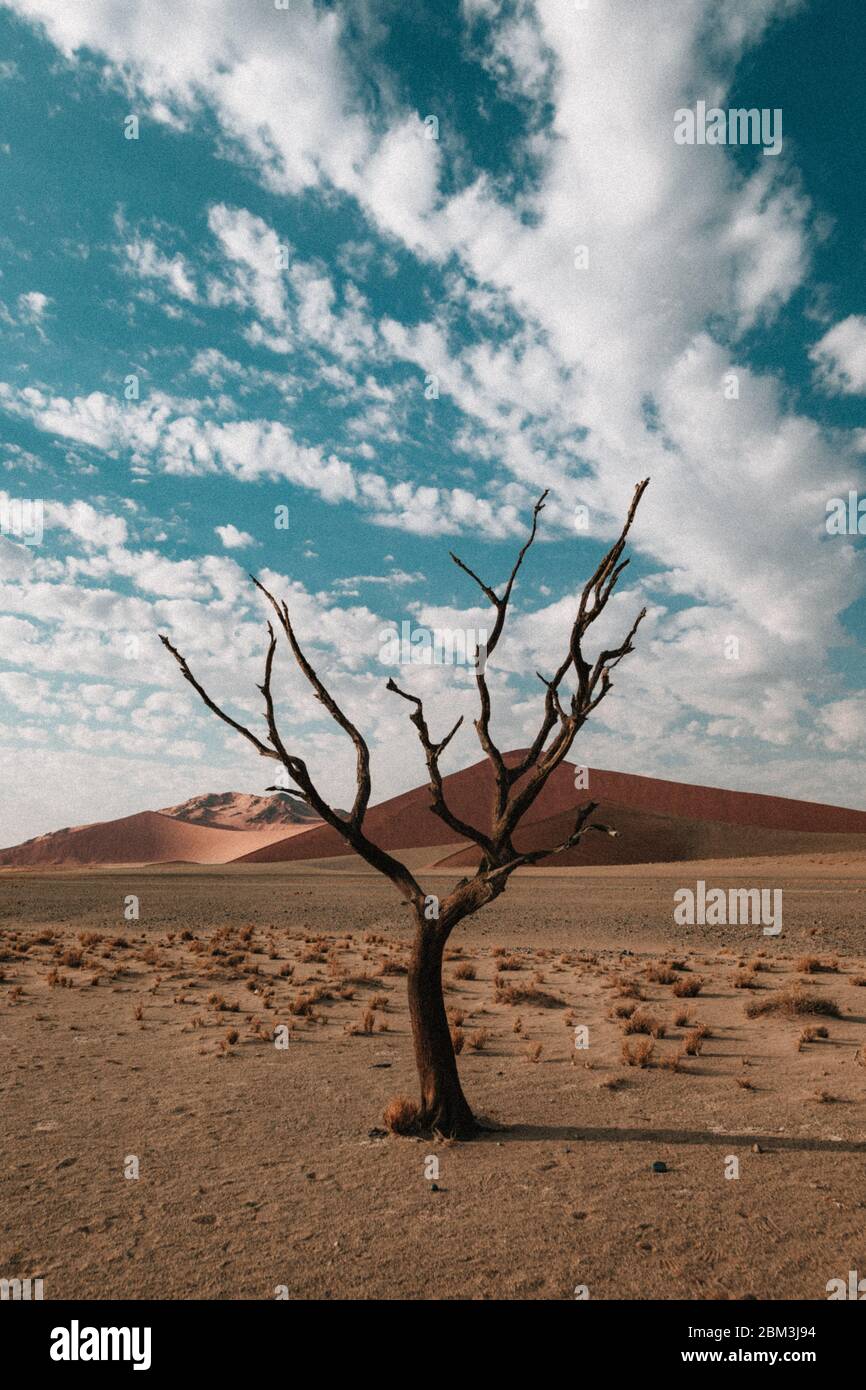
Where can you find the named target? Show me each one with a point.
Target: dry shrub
(458, 1038)
(392, 967)
(813, 965)
(824, 1097)
(688, 989)
(807, 965)
(365, 1026)
(661, 973)
(693, 1043)
(636, 1052)
(622, 1010)
(138, 1013)
(791, 1002)
(534, 1051)
(744, 1083)
(302, 1005)
(401, 1115)
(626, 988)
(682, 1018)
(232, 1036)
(517, 1025)
(479, 1039)
(643, 1022)
(811, 1033)
(525, 994)
(465, 971)
(745, 979)
(509, 963)
(456, 1017)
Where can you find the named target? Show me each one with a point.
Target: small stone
(659, 1167)
(756, 1149)
(434, 1187)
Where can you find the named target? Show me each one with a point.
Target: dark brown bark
(444, 1108)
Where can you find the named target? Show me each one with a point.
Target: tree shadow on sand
(533, 1134)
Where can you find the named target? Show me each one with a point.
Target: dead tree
(443, 1108)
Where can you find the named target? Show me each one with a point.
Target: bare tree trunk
(443, 1105)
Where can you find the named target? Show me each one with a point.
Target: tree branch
(432, 753)
(482, 723)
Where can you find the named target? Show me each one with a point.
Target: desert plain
(242, 1037)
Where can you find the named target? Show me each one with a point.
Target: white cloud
(161, 432)
(232, 538)
(840, 356)
(147, 261)
(32, 306)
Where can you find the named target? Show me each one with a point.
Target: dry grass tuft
(693, 1043)
(746, 979)
(464, 971)
(791, 1002)
(813, 965)
(622, 1010)
(643, 1022)
(637, 1052)
(688, 989)
(401, 1115)
(661, 973)
(525, 994)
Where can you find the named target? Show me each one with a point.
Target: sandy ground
(257, 1165)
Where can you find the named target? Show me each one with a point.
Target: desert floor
(264, 1166)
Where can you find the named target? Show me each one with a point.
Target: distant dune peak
(242, 810)
(210, 829)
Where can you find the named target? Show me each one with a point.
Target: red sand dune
(150, 837)
(658, 821)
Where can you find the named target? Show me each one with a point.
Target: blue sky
(328, 310)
